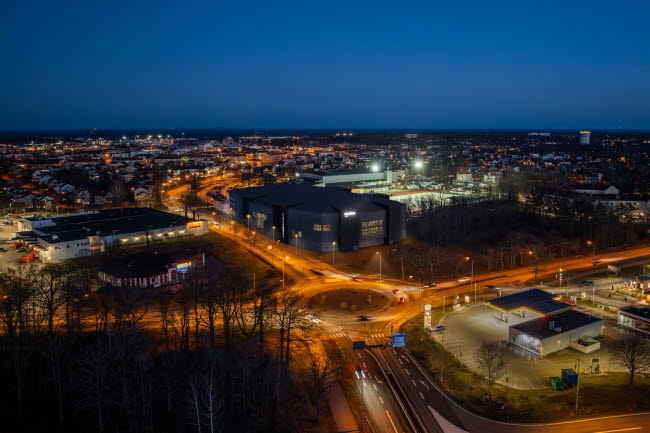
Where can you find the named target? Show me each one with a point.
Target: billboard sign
(427, 316)
(399, 340)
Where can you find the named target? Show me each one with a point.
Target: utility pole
(577, 386)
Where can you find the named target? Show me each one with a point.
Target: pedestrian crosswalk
(337, 334)
(378, 336)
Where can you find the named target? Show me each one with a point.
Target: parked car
(438, 328)
(586, 283)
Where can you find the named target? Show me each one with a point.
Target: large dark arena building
(319, 219)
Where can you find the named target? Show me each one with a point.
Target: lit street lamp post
(273, 235)
(379, 254)
(248, 219)
(471, 281)
(593, 245)
(296, 236)
(333, 250)
(283, 262)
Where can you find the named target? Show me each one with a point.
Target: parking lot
(10, 255)
(468, 327)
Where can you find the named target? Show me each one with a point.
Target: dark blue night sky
(330, 64)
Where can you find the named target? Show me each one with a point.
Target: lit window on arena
(260, 219)
(372, 229)
(321, 227)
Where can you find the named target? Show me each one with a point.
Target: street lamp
(283, 262)
(592, 244)
(273, 235)
(333, 250)
(530, 253)
(379, 254)
(471, 281)
(248, 219)
(296, 236)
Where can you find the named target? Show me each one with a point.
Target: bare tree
(490, 363)
(49, 293)
(632, 353)
(205, 395)
(322, 370)
(119, 190)
(94, 371)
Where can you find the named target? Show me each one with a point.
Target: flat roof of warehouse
(314, 198)
(536, 300)
(540, 328)
(107, 223)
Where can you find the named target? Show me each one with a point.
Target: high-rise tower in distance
(585, 137)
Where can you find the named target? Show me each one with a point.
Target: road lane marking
(620, 429)
(407, 372)
(422, 396)
(425, 385)
(391, 422)
(375, 386)
(381, 400)
(359, 354)
(400, 361)
(414, 384)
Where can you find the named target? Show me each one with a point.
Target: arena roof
(313, 198)
(535, 300)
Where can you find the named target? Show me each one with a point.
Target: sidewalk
(345, 421)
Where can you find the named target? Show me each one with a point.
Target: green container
(556, 383)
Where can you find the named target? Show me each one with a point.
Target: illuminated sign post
(398, 340)
(427, 315)
(349, 214)
(183, 267)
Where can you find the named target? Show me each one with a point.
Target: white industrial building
(65, 237)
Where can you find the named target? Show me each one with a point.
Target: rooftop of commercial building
(640, 312)
(544, 327)
(535, 300)
(312, 198)
(148, 263)
(108, 222)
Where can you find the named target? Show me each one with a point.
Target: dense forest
(219, 356)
